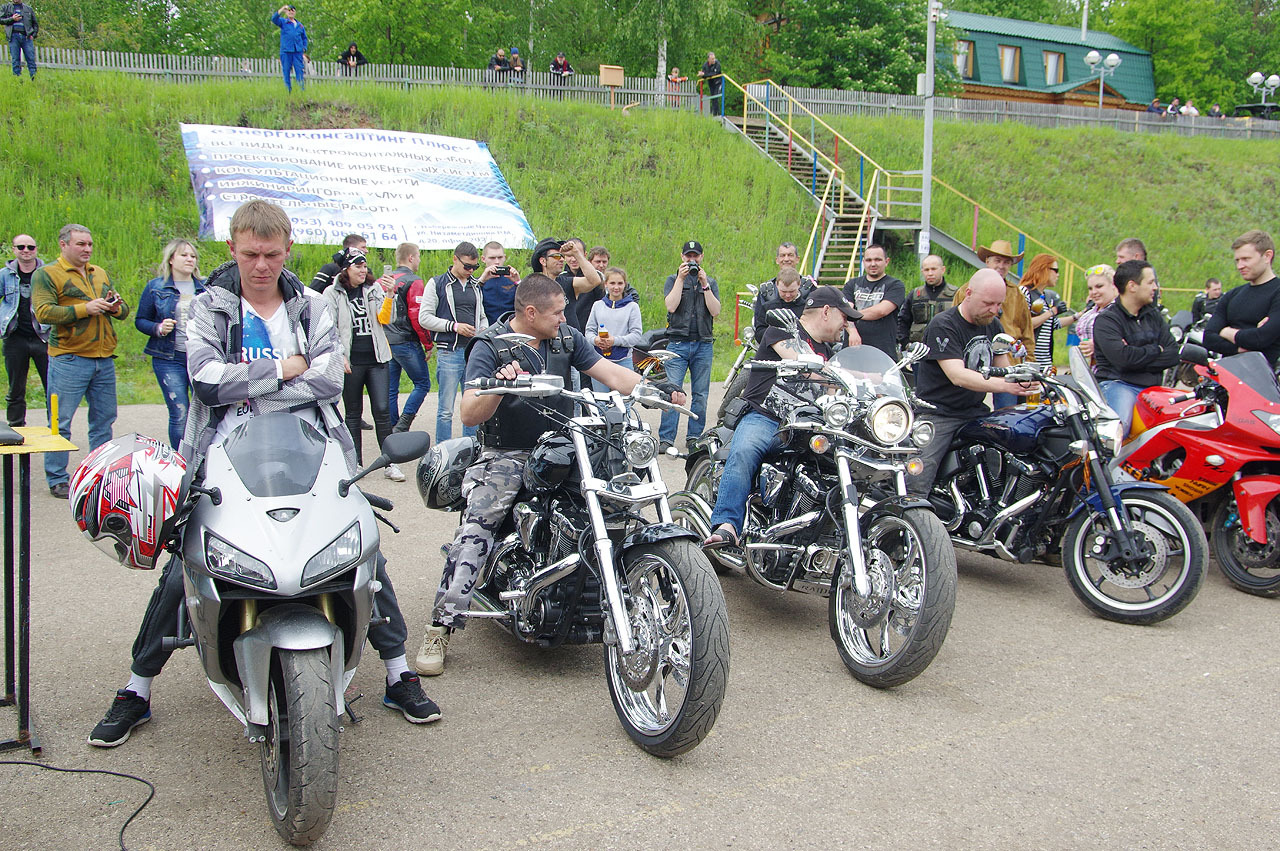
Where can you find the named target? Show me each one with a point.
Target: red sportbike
(1218, 450)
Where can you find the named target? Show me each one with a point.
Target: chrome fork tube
(604, 552)
(852, 535)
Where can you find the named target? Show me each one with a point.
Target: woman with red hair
(1048, 311)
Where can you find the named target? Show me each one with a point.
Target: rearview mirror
(405, 446)
(1002, 344)
(1191, 353)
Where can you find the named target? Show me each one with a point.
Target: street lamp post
(926, 176)
(1103, 68)
(1262, 86)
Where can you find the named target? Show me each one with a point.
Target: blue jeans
(74, 379)
(451, 368)
(1003, 400)
(175, 386)
(293, 61)
(625, 362)
(20, 46)
(755, 436)
(693, 356)
(1121, 396)
(409, 358)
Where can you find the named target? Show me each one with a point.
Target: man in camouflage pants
(509, 428)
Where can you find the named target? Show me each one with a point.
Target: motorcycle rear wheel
(1171, 581)
(913, 570)
(1251, 567)
(300, 755)
(668, 691)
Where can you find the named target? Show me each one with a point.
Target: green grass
(105, 151)
(1081, 191)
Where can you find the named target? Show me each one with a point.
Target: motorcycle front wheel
(300, 755)
(668, 690)
(1251, 567)
(1160, 588)
(889, 636)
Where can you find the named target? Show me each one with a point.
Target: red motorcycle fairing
(1253, 495)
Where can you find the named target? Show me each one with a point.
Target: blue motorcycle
(1032, 483)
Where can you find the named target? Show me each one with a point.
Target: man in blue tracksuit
(293, 45)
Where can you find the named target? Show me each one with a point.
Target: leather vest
(518, 423)
(924, 307)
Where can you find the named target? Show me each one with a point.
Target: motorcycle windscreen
(870, 372)
(1251, 368)
(276, 454)
(1082, 377)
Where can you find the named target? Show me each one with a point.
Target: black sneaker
(408, 696)
(127, 711)
(664, 446)
(62, 490)
(365, 425)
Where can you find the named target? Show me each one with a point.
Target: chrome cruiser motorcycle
(590, 554)
(885, 565)
(1033, 482)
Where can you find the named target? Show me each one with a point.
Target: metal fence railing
(648, 92)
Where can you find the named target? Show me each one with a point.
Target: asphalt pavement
(1037, 726)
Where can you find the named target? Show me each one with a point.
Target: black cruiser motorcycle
(885, 564)
(590, 554)
(1033, 483)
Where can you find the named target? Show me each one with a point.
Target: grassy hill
(105, 151)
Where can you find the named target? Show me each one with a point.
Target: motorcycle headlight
(889, 421)
(1270, 420)
(1177, 333)
(836, 413)
(640, 448)
(342, 552)
(748, 335)
(922, 433)
(1110, 433)
(230, 563)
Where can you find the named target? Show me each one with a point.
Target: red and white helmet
(124, 495)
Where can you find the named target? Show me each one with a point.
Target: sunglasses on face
(471, 267)
(1053, 268)
(555, 255)
(17, 247)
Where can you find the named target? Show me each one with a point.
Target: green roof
(1094, 39)
(1133, 79)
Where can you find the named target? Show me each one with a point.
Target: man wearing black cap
(821, 324)
(693, 303)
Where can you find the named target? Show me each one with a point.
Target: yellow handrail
(817, 220)
(792, 101)
(863, 223)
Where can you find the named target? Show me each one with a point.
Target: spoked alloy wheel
(1252, 567)
(889, 636)
(300, 755)
(668, 691)
(1157, 589)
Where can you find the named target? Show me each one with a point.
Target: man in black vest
(693, 302)
(924, 302)
(452, 309)
(509, 427)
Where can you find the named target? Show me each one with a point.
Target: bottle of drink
(606, 344)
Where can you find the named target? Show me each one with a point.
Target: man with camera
(498, 282)
(693, 302)
(76, 298)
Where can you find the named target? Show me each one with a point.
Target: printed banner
(391, 187)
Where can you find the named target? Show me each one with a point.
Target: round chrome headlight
(836, 414)
(748, 335)
(640, 448)
(1110, 432)
(922, 433)
(889, 421)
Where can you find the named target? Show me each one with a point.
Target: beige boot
(430, 661)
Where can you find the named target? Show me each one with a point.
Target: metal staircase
(846, 222)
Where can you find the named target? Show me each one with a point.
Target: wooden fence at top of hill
(646, 92)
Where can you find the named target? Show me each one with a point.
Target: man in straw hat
(1015, 316)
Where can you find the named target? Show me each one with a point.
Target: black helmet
(440, 473)
(550, 464)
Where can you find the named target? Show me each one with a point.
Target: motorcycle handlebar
(378, 501)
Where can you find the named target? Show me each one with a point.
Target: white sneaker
(394, 474)
(430, 661)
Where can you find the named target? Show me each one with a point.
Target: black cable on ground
(124, 826)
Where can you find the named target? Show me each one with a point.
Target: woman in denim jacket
(162, 316)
